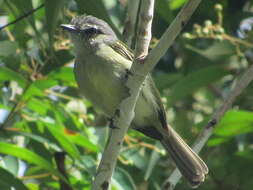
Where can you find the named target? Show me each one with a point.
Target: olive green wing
(156, 93)
(127, 53)
(122, 49)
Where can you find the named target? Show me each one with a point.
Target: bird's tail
(191, 166)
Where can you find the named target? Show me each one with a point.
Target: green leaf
(26, 155)
(235, 122)
(8, 74)
(217, 51)
(38, 106)
(89, 163)
(194, 80)
(39, 139)
(10, 180)
(8, 48)
(215, 141)
(175, 4)
(163, 9)
(44, 84)
(23, 6)
(63, 140)
(63, 74)
(248, 154)
(155, 156)
(165, 80)
(123, 180)
(11, 163)
(33, 186)
(37, 88)
(83, 141)
(139, 160)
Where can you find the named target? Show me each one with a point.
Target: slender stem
(130, 22)
(237, 40)
(144, 33)
(21, 17)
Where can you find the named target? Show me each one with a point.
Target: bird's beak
(69, 27)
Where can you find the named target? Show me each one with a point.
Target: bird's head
(88, 31)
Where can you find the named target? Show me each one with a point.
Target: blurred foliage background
(45, 121)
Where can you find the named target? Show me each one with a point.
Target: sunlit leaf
(235, 122)
(38, 106)
(63, 140)
(63, 74)
(175, 4)
(26, 155)
(81, 140)
(37, 88)
(39, 139)
(215, 141)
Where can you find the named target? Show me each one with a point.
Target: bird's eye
(90, 31)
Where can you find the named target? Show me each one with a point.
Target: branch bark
(130, 22)
(141, 67)
(203, 137)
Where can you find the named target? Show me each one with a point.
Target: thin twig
(138, 143)
(22, 17)
(207, 131)
(39, 176)
(50, 91)
(130, 23)
(144, 28)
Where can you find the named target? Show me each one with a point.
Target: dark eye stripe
(90, 31)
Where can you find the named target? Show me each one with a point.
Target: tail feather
(188, 162)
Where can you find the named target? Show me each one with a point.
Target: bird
(101, 64)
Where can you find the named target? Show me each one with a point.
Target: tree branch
(140, 68)
(130, 22)
(203, 137)
(144, 28)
